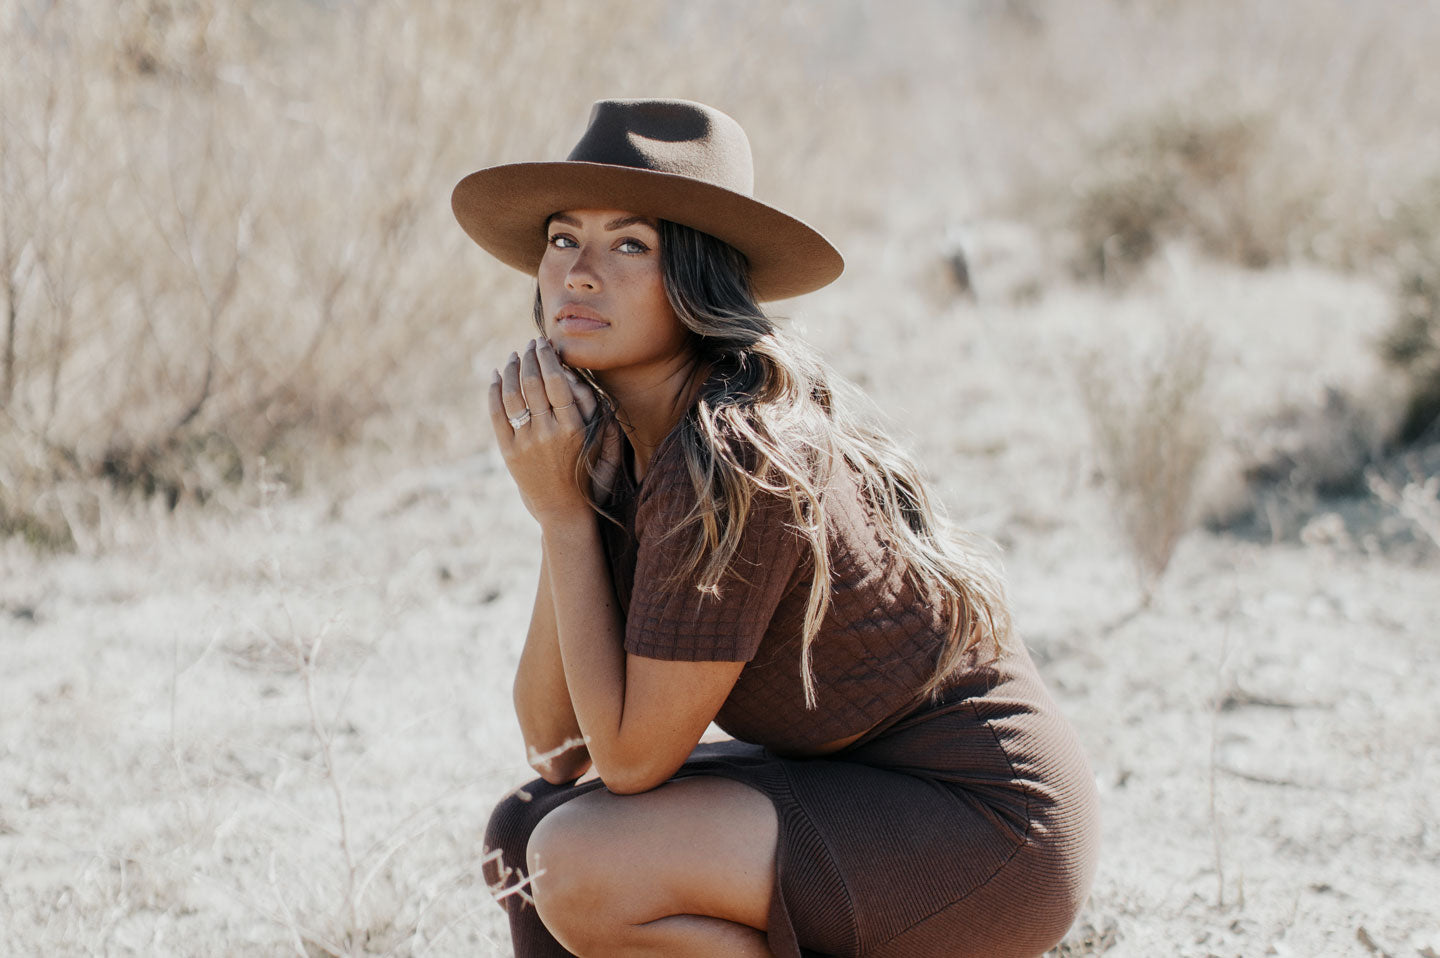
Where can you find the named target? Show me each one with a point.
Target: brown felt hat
(670, 159)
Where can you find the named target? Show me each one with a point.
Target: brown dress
(963, 827)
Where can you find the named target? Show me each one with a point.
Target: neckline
(627, 458)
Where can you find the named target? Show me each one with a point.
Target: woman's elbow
(629, 785)
(632, 778)
(552, 776)
(561, 767)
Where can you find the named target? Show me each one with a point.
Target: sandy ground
(279, 728)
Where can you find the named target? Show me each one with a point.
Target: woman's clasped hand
(539, 409)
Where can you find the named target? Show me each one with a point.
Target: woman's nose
(582, 273)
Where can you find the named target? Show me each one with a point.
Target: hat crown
(669, 136)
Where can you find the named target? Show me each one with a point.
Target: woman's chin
(575, 355)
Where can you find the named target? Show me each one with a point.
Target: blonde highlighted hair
(772, 419)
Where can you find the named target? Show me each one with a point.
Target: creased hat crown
(669, 136)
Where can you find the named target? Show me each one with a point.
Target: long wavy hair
(772, 419)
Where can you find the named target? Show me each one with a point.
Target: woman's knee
(573, 881)
(604, 864)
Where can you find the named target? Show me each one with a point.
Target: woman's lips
(579, 324)
(574, 318)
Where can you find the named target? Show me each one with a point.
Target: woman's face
(602, 293)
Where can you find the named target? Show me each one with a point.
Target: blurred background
(1151, 286)
(225, 229)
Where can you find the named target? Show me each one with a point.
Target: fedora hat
(670, 159)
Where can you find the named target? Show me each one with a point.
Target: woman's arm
(640, 717)
(553, 740)
(542, 699)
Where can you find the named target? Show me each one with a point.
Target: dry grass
(1153, 429)
(204, 257)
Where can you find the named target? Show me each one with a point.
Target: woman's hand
(538, 410)
(536, 419)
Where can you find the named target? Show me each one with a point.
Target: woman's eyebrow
(621, 222)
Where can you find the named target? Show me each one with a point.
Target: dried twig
(1418, 501)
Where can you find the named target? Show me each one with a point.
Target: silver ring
(517, 421)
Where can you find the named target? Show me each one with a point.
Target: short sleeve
(673, 619)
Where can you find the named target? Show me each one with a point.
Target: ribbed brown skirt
(966, 828)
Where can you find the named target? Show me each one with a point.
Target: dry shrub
(1321, 450)
(1304, 117)
(225, 229)
(209, 245)
(1412, 345)
(1296, 462)
(1178, 174)
(1152, 432)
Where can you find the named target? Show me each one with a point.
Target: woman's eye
(561, 241)
(632, 246)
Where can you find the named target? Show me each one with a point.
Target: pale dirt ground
(1264, 736)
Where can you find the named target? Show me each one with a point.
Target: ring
(566, 406)
(517, 421)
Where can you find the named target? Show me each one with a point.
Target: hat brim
(505, 210)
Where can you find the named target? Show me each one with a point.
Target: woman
(724, 540)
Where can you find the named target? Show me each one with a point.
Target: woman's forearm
(590, 634)
(542, 698)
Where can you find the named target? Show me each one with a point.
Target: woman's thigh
(701, 845)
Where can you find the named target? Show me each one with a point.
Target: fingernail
(494, 377)
(514, 357)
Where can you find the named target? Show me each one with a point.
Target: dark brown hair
(773, 419)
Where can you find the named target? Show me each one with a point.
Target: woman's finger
(584, 396)
(499, 418)
(533, 383)
(512, 399)
(557, 387)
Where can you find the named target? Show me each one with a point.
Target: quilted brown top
(876, 648)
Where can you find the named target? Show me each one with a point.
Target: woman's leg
(684, 869)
